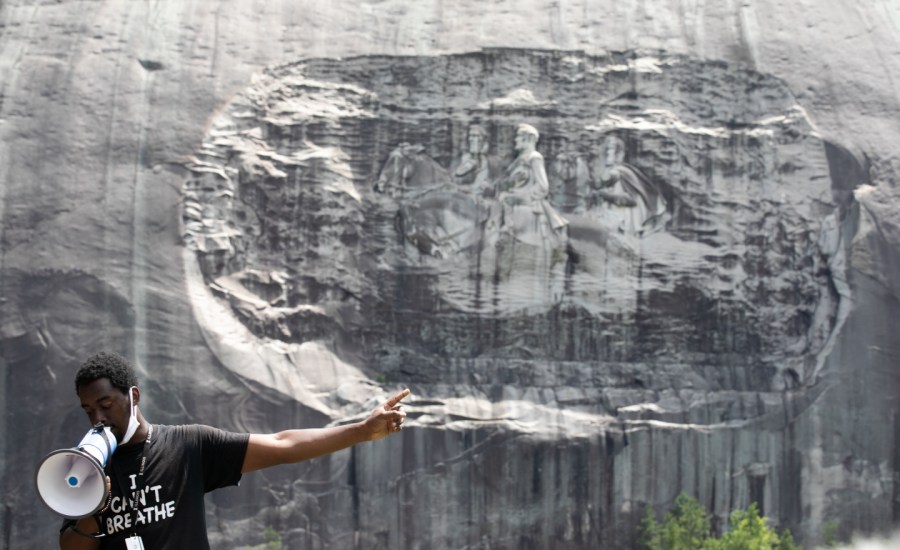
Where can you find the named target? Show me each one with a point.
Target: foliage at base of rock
(687, 526)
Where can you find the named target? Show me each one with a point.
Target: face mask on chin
(133, 423)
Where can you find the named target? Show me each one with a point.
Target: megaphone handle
(108, 496)
(73, 523)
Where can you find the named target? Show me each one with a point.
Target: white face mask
(133, 423)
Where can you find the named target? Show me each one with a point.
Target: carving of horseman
(524, 210)
(432, 215)
(409, 173)
(476, 169)
(622, 197)
(568, 175)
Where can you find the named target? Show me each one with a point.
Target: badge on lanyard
(134, 543)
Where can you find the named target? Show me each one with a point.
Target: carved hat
(528, 129)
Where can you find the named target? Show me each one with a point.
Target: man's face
(104, 403)
(558, 146)
(523, 140)
(613, 155)
(476, 143)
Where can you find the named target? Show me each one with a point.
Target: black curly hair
(106, 365)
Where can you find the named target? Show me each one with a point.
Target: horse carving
(433, 215)
(409, 173)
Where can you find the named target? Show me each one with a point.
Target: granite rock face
(702, 298)
(683, 271)
(326, 208)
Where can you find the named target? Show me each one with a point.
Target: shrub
(687, 527)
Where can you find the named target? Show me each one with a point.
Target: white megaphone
(71, 482)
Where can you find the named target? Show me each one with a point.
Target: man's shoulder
(178, 428)
(198, 433)
(185, 428)
(183, 431)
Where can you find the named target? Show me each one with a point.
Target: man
(525, 210)
(476, 168)
(159, 474)
(566, 172)
(624, 198)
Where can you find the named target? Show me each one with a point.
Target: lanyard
(122, 485)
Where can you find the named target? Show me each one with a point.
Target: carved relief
(433, 214)
(568, 175)
(477, 168)
(395, 203)
(620, 196)
(524, 211)
(441, 217)
(441, 213)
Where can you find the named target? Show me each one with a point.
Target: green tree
(748, 531)
(685, 527)
(651, 536)
(787, 541)
(830, 534)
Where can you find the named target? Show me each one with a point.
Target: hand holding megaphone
(71, 482)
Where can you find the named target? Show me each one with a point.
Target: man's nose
(97, 418)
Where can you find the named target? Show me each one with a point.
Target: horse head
(409, 168)
(397, 169)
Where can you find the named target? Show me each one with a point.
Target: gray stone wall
(743, 349)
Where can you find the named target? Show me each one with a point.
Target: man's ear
(136, 394)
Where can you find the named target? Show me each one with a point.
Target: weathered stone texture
(742, 349)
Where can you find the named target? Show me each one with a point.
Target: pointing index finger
(396, 399)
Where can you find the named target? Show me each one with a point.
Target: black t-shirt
(165, 505)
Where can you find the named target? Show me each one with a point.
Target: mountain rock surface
(284, 211)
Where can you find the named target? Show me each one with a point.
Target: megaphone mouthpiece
(80, 471)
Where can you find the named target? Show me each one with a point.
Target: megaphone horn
(71, 482)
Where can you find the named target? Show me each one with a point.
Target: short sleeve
(222, 455)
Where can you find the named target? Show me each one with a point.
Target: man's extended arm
(287, 447)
